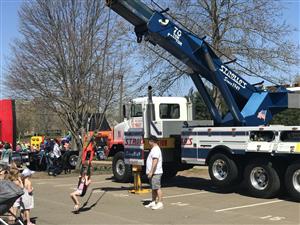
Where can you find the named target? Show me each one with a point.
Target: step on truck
(238, 146)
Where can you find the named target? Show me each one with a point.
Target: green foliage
(288, 117)
(201, 111)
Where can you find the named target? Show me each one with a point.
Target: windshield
(136, 110)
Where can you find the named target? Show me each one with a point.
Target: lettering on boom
(232, 79)
(176, 35)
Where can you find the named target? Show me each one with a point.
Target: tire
(292, 180)
(223, 170)
(262, 179)
(121, 171)
(72, 160)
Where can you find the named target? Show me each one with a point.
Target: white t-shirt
(155, 153)
(56, 151)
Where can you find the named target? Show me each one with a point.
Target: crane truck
(239, 146)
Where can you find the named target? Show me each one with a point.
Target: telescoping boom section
(248, 105)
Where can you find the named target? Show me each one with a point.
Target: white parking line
(248, 206)
(67, 185)
(180, 204)
(182, 195)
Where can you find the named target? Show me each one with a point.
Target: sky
(9, 26)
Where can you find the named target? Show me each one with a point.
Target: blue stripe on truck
(203, 152)
(194, 153)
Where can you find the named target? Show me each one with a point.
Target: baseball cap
(27, 172)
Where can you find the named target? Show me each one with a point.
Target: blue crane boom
(248, 105)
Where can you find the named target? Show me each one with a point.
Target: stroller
(9, 193)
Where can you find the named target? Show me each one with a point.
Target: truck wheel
(292, 180)
(73, 161)
(262, 180)
(223, 171)
(121, 171)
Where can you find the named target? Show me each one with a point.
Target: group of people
(56, 155)
(20, 146)
(25, 203)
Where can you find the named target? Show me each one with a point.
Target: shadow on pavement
(198, 183)
(84, 207)
(116, 188)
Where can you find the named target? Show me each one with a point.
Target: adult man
(154, 172)
(57, 157)
(56, 149)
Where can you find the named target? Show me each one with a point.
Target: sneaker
(159, 205)
(150, 205)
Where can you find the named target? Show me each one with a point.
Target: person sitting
(4, 168)
(14, 176)
(83, 183)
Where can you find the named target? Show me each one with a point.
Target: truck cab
(169, 115)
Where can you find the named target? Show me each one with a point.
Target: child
(27, 202)
(3, 170)
(14, 176)
(84, 182)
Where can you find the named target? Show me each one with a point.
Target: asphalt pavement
(188, 199)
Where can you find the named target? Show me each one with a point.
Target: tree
(297, 80)
(288, 117)
(33, 118)
(251, 31)
(70, 57)
(200, 108)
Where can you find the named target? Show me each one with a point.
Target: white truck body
(198, 142)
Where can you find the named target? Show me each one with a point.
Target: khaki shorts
(155, 181)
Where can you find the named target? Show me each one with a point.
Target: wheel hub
(259, 178)
(296, 180)
(120, 167)
(73, 160)
(220, 169)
